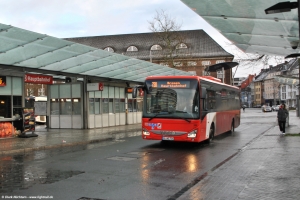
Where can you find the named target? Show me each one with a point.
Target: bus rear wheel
(211, 133)
(232, 127)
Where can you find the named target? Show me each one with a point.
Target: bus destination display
(171, 84)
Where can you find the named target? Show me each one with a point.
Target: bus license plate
(168, 138)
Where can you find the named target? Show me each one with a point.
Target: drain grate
(120, 158)
(139, 153)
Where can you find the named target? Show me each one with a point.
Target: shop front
(112, 106)
(104, 106)
(11, 95)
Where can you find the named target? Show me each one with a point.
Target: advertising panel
(2, 81)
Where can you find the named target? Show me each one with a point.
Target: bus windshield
(172, 99)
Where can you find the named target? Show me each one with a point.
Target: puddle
(15, 175)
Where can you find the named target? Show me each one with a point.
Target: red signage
(100, 86)
(94, 86)
(2, 81)
(37, 78)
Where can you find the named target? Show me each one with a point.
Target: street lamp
(282, 7)
(297, 55)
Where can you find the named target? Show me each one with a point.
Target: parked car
(277, 107)
(273, 108)
(266, 109)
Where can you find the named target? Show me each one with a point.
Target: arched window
(109, 49)
(181, 46)
(220, 61)
(132, 48)
(205, 63)
(156, 47)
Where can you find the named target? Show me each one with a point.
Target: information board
(40, 108)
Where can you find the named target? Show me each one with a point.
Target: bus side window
(203, 101)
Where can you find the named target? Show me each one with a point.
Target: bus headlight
(145, 132)
(192, 134)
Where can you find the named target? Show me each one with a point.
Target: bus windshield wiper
(184, 118)
(156, 116)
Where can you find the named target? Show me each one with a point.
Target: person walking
(282, 114)
(244, 107)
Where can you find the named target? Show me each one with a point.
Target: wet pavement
(266, 168)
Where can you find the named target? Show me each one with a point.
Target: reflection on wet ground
(15, 174)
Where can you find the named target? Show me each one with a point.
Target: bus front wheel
(211, 133)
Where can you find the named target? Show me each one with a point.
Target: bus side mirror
(203, 93)
(134, 92)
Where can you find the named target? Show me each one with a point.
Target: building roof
(199, 44)
(247, 81)
(262, 75)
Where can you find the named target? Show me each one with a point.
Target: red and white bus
(188, 108)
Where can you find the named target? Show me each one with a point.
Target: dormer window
(109, 49)
(181, 46)
(132, 48)
(156, 47)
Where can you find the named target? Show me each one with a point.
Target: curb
(24, 151)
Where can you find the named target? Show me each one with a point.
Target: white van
(29, 102)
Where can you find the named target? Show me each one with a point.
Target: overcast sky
(76, 18)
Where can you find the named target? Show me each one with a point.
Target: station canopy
(245, 23)
(38, 53)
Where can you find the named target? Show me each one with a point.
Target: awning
(36, 52)
(246, 24)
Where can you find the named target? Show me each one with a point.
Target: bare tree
(167, 30)
(254, 61)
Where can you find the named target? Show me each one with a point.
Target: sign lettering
(39, 79)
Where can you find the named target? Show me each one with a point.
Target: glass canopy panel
(70, 63)
(98, 53)
(248, 17)
(259, 40)
(238, 9)
(88, 68)
(117, 57)
(254, 26)
(11, 38)
(262, 50)
(48, 58)
(115, 69)
(144, 72)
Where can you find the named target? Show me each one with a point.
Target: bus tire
(211, 134)
(232, 127)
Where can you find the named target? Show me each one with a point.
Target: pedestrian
(282, 114)
(244, 107)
